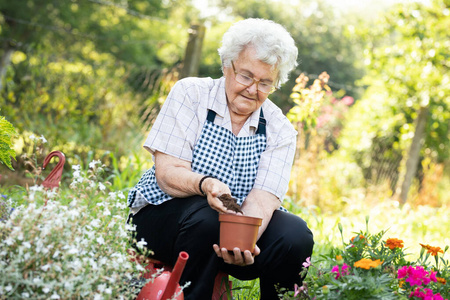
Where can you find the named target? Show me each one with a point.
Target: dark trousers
(189, 224)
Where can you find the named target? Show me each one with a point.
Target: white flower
(43, 139)
(45, 267)
(98, 297)
(95, 223)
(25, 295)
(55, 296)
(141, 244)
(112, 195)
(46, 289)
(106, 212)
(130, 227)
(121, 205)
(8, 288)
(36, 188)
(37, 280)
(73, 250)
(121, 195)
(100, 240)
(26, 245)
(9, 241)
(101, 287)
(108, 291)
(93, 163)
(76, 167)
(101, 186)
(51, 193)
(32, 137)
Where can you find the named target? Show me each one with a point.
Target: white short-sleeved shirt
(178, 126)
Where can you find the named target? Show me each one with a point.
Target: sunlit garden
(369, 99)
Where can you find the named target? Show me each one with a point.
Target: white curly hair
(272, 42)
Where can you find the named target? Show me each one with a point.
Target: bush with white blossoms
(71, 246)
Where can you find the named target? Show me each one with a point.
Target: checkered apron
(218, 153)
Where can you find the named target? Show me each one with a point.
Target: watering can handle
(55, 175)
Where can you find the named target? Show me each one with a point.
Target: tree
(325, 43)
(406, 104)
(121, 28)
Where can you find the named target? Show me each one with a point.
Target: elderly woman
(224, 136)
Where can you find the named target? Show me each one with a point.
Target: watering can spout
(172, 284)
(166, 285)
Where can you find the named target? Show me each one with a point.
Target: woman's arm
(261, 204)
(176, 178)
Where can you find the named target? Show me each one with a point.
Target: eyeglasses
(263, 87)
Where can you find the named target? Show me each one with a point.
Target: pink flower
(425, 294)
(307, 263)
(296, 290)
(416, 275)
(347, 100)
(345, 270)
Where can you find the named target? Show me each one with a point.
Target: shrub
(67, 245)
(7, 132)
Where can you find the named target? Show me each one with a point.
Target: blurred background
(88, 77)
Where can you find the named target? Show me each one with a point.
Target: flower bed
(371, 267)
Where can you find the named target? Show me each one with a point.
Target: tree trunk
(412, 161)
(4, 61)
(193, 52)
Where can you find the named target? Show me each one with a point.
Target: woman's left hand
(237, 257)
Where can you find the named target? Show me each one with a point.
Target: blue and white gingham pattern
(148, 188)
(219, 153)
(233, 160)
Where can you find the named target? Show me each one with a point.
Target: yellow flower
(433, 250)
(366, 263)
(394, 243)
(338, 257)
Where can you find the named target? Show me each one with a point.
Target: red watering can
(166, 285)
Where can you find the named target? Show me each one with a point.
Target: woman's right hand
(213, 188)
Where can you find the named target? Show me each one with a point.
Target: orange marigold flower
(433, 250)
(367, 263)
(441, 280)
(394, 243)
(338, 257)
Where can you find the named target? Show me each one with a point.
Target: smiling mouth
(248, 98)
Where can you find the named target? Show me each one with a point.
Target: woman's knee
(292, 233)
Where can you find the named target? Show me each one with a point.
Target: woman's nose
(253, 89)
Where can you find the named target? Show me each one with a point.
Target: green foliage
(83, 73)
(7, 132)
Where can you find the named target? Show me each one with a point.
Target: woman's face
(244, 100)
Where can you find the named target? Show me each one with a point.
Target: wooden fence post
(193, 51)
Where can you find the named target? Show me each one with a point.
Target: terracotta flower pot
(238, 231)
